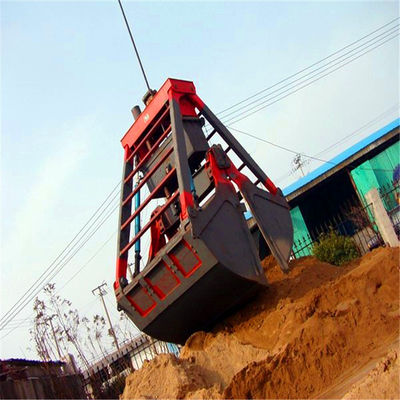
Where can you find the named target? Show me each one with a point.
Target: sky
(69, 78)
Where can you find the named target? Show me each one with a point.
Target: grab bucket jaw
(196, 279)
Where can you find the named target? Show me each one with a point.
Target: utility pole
(298, 163)
(50, 319)
(101, 293)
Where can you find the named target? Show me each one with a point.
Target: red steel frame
(184, 93)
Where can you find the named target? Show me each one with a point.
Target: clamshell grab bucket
(203, 260)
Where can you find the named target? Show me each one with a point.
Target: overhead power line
(60, 261)
(49, 278)
(59, 267)
(279, 94)
(266, 103)
(111, 212)
(386, 113)
(312, 73)
(87, 262)
(13, 329)
(296, 152)
(293, 151)
(310, 66)
(391, 110)
(24, 324)
(315, 157)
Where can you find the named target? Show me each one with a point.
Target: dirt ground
(318, 332)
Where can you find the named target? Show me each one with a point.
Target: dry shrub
(335, 249)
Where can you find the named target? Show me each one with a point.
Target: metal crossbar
(147, 226)
(148, 199)
(147, 176)
(147, 156)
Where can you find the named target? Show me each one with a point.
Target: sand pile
(164, 377)
(381, 382)
(295, 340)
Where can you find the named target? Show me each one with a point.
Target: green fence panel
(300, 231)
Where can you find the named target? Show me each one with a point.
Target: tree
(56, 322)
(99, 324)
(38, 332)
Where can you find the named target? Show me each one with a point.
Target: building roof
(23, 362)
(340, 158)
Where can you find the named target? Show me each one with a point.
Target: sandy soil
(381, 382)
(319, 331)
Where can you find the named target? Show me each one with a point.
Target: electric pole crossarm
(101, 292)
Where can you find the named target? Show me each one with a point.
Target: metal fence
(105, 378)
(390, 195)
(355, 222)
